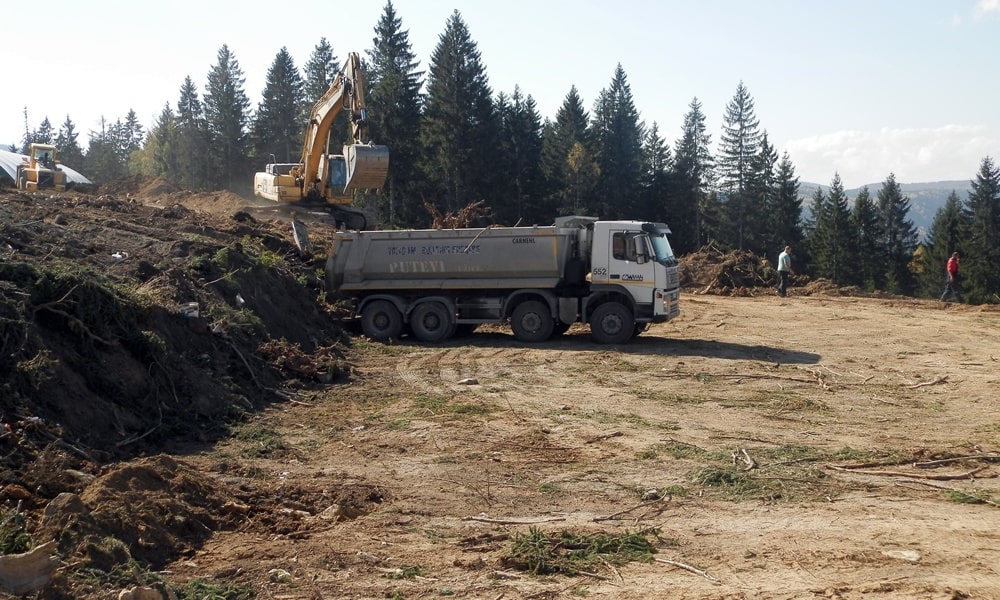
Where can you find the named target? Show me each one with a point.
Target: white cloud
(985, 7)
(951, 152)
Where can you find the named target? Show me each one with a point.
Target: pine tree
(191, 140)
(157, 156)
(981, 259)
(320, 70)
(43, 135)
(618, 140)
(70, 152)
(899, 237)
(459, 132)
(785, 219)
(520, 153)
(656, 194)
(279, 122)
(759, 234)
(567, 160)
(227, 113)
(738, 146)
(132, 137)
(394, 102)
(104, 161)
(693, 168)
(867, 233)
(830, 239)
(946, 235)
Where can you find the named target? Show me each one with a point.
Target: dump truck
(40, 170)
(321, 180)
(615, 276)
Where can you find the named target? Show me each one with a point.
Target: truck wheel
(431, 322)
(612, 323)
(531, 321)
(381, 321)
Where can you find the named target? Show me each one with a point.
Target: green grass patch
(960, 497)
(14, 538)
(199, 589)
(570, 553)
(407, 572)
(442, 404)
(260, 441)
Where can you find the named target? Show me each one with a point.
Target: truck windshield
(662, 252)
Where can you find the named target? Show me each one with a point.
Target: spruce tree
(279, 122)
(899, 238)
(693, 176)
(520, 154)
(227, 113)
(158, 156)
(830, 239)
(567, 159)
(394, 103)
(656, 194)
(459, 132)
(191, 139)
(946, 235)
(104, 162)
(784, 222)
(70, 152)
(618, 140)
(759, 236)
(867, 232)
(981, 259)
(320, 69)
(739, 144)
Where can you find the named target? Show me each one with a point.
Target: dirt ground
(822, 445)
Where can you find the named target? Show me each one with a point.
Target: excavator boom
(331, 179)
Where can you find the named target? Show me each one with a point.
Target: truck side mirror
(638, 249)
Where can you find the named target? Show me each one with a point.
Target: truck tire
(612, 323)
(381, 321)
(431, 322)
(532, 321)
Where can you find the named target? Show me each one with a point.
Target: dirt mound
(130, 325)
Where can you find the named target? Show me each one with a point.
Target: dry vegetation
(821, 445)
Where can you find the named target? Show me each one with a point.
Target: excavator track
(340, 217)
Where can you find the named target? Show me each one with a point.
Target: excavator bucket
(367, 166)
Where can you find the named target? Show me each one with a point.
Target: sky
(856, 88)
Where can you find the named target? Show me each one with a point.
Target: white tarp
(10, 160)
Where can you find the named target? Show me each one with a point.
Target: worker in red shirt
(951, 287)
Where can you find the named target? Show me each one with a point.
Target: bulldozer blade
(367, 166)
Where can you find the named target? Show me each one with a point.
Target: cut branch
(686, 568)
(968, 475)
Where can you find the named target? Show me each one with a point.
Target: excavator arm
(331, 179)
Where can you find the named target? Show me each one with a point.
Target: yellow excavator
(327, 180)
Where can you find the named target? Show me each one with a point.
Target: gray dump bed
(497, 257)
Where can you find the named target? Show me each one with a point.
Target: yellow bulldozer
(40, 170)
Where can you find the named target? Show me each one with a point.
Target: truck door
(629, 264)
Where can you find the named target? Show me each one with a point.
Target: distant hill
(925, 198)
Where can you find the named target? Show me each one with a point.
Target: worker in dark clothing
(952, 287)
